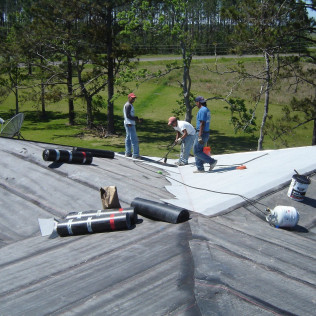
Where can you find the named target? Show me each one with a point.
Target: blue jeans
(200, 156)
(131, 140)
(186, 146)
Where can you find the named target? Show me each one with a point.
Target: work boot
(212, 165)
(180, 163)
(199, 171)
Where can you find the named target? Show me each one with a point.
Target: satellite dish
(13, 126)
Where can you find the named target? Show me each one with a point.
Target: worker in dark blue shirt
(203, 120)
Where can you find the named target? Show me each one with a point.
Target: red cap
(171, 120)
(132, 95)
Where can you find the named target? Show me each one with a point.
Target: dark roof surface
(231, 264)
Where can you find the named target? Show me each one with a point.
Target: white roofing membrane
(264, 171)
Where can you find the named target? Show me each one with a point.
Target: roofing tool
(165, 157)
(241, 167)
(236, 166)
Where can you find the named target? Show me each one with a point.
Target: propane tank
(283, 216)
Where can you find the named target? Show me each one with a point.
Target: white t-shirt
(182, 125)
(129, 114)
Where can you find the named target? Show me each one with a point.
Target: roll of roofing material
(98, 213)
(96, 152)
(160, 211)
(67, 156)
(93, 224)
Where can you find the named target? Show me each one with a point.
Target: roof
(227, 185)
(230, 262)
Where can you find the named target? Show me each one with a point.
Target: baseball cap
(200, 99)
(132, 95)
(171, 120)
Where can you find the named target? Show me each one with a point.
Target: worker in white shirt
(185, 137)
(131, 140)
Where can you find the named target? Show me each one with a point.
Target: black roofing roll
(93, 224)
(67, 156)
(97, 152)
(97, 213)
(160, 211)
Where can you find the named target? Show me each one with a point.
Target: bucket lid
(301, 179)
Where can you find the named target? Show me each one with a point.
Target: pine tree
(270, 29)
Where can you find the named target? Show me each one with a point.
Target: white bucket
(298, 187)
(283, 216)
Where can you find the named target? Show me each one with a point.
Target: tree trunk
(70, 91)
(43, 99)
(42, 89)
(16, 99)
(89, 112)
(87, 97)
(266, 102)
(314, 129)
(186, 83)
(314, 134)
(110, 112)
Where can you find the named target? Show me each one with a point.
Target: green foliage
(295, 115)
(181, 109)
(155, 103)
(94, 41)
(4, 91)
(98, 102)
(241, 118)
(266, 25)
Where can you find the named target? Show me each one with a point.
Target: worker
(203, 120)
(131, 139)
(185, 137)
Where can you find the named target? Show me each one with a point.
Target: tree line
(45, 44)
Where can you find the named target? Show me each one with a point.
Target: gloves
(200, 140)
(178, 141)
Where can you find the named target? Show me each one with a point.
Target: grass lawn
(155, 102)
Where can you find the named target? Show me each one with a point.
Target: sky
(311, 13)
